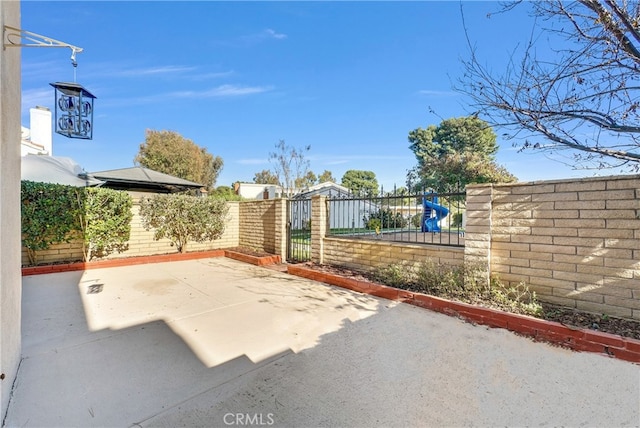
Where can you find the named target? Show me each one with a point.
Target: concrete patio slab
(216, 342)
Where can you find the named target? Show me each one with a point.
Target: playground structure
(432, 214)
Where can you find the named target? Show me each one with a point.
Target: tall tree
(265, 177)
(455, 153)
(361, 183)
(289, 165)
(326, 176)
(307, 181)
(579, 92)
(171, 153)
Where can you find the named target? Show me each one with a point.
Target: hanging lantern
(73, 110)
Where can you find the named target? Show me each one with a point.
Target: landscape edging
(577, 339)
(130, 261)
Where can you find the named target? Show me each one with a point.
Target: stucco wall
(10, 132)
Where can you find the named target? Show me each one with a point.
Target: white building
(257, 191)
(37, 140)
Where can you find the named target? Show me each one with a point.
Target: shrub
(440, 279)
(467, 282)
(399, 275)
(183, 218)
(416, 220)
(226, 193)
(456, 220)
(55, 213)
(49, 215)
(515, 298)
(105, 221)
(374, 224)
(388, 219)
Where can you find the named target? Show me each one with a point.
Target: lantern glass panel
(73, 110)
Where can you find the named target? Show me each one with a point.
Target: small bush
(374, 224)
(467, 283)
(416, 220)
(183, 218)
(398, 275)
(456, 220)
(387, 219)
(105, 221)
(515, 298)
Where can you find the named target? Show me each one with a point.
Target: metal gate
(299, 230)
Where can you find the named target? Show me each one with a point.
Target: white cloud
(37, 97)
(251, 39)
(158, 70)
(434, 93)
(234, 90)
(222, 91)
(213, 75)
(274, 35)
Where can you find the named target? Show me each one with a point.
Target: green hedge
(55, 213)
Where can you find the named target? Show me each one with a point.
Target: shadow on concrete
(215, 338)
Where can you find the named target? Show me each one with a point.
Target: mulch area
(567, 316)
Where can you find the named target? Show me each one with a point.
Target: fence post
(319, 218)
(477, 238)
(281, 228)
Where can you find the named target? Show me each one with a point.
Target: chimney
(40, 118)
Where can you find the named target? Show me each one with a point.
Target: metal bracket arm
(15, 37)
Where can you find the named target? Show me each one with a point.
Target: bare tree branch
(584, 97)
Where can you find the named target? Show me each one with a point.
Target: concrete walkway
(215, 342)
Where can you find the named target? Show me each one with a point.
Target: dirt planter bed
(548, 331)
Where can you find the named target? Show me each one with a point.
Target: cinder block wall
(365, 255)
(141, 242)
(263, 225)
(576, 243)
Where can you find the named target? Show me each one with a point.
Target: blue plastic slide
(432, 215)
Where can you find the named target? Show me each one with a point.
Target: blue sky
(350, 79)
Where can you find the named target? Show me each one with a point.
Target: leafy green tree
(183, 218)
(361, 183)
(171, 153)
(326, 176)
(307, 181)
(289, 165)
(226, 193)
(457, 152)
(265, 177)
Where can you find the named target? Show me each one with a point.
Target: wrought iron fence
(299, 230)
(423, 218)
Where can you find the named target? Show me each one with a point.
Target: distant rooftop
(144, 179)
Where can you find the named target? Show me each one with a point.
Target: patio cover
(55, 169)
(145, 179)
